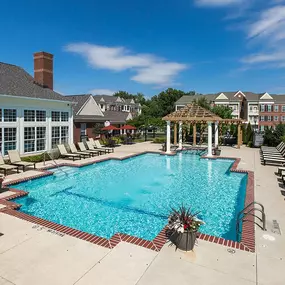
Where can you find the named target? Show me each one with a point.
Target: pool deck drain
(248, 231)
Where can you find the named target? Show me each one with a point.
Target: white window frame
(36, 139)
(261, 118)
(276, 118)
(3, 141)
(276, 107)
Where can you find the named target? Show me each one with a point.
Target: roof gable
(129, 117)
(90, 108)
(118, 99)
(239, 93)
(222, 96)
(266, 96)
(102, 100)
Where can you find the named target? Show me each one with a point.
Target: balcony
(253, 112)
(235, 112)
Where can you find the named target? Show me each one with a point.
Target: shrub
(250, 144)
(159, 140)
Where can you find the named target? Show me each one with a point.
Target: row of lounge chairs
(273, 155)
(93, 148)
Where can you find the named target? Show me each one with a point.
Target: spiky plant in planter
(183, 226)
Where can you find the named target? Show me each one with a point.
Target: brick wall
(272, 114)
(77, 131)
(43, 69)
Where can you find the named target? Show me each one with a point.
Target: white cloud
(102, 92)
(276, 56)
(149, 69)
(271, 23)
(218, 3)
(158, 73)
(268, 33)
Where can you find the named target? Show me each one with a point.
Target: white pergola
(193, 114)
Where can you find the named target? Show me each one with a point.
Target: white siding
(21, 104)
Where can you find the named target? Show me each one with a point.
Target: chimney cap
(43, 53)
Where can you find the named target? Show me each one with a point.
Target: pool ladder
(243, 213)
(46, 153)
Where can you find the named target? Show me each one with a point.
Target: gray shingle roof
(79, 99)
(116, 117)
(15, 81)
(107, 98)
(278, 98)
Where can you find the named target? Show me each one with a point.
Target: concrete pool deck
(31, 254)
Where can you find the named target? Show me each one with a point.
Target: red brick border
(248, 232)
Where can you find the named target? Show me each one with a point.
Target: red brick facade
(43, 69)
(77, 131)
(273, 117)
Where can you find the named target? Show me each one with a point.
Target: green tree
(202, 102)
(249, 134)
(224, 112)
(124, 95)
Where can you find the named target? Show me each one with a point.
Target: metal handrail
(241, 217)
(53, 162)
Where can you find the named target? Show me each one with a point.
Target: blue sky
(146, 46)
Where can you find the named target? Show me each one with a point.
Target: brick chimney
(43, 69)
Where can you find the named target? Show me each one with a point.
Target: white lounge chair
(15, 159)
(63, 152)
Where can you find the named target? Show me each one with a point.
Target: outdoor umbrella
(110, 128)
(128, 127)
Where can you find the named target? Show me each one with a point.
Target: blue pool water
(134, 196)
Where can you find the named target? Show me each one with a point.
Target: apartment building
(88, 113)
(261, 110)
(118, 104)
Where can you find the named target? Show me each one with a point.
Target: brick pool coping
(247, 242)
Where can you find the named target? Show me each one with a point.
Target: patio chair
(271, 147)
(280, 170)
(91, 147)
(279, 149)
(91, 140)
(274, 160)
(63, 152)
(6, 167)
(74, 150)
(99, 146)
(83, 148)
(15, 159)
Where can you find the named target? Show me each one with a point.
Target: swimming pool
(134, 196)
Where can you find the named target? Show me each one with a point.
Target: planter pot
(184, 241)
(218, 152)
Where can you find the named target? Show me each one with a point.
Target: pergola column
(194, 135)
(175, 134)
(209, 139)
(239, 136)
(168, 136)
(180, 135)
(216, 134)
